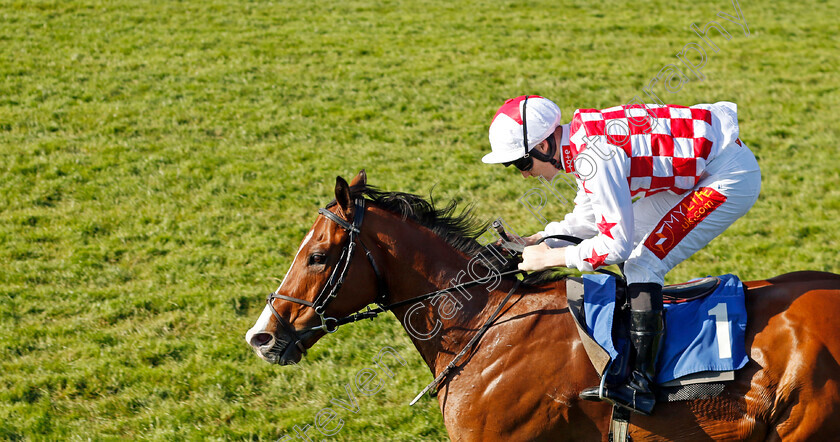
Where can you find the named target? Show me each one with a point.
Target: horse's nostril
(260, 339)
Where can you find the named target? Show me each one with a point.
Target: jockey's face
(542, 168)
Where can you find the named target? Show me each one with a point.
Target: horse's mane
(458, 229)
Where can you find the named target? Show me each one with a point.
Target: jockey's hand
(524, 240)
(541, 256)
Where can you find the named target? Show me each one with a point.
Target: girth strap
(619, 425)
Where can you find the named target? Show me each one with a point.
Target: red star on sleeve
(606, 228)
(596, 260)
(585, 190)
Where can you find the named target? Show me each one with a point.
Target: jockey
(655, 183)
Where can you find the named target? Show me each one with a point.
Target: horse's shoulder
(542, 302)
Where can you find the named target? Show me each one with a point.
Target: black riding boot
(646, 330)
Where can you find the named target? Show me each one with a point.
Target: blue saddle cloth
(706, 334)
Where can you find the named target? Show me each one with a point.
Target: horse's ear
(342, 197)
(360, 179)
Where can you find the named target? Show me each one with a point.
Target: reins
(443, 374)
(336, 279)
(372, 313)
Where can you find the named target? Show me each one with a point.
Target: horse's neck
(440, 327)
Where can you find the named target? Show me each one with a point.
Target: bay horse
(522, 378)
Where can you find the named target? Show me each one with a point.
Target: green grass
(161, 161)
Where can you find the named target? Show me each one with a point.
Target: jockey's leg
(646, 330)
(647, 327)
(669, 229)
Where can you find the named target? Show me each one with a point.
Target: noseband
(335, 281)
(330, 291)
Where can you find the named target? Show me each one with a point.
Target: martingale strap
(443, 374)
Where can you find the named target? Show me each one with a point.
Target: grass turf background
(160, 162)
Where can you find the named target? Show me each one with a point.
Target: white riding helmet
(542, 117)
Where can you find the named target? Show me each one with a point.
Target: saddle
(689, 291)
(616, 368)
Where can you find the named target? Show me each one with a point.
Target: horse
(521, 379)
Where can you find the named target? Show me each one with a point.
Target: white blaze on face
(302, 246)
(260, 326)
(265, 316)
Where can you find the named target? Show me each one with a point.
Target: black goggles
(523, 164)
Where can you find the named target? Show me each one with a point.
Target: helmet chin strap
(549, 157)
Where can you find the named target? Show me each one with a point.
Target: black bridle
(336, 279)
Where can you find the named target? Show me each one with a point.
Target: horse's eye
(317, 259)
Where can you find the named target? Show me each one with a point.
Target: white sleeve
(612, 215)
(580, 222)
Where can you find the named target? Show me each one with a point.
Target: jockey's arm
(580, 222)
(607, 219)
(613, 216)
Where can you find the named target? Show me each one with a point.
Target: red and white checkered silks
(667, 145)
(661, 152)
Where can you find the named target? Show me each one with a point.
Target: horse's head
(329, 279)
